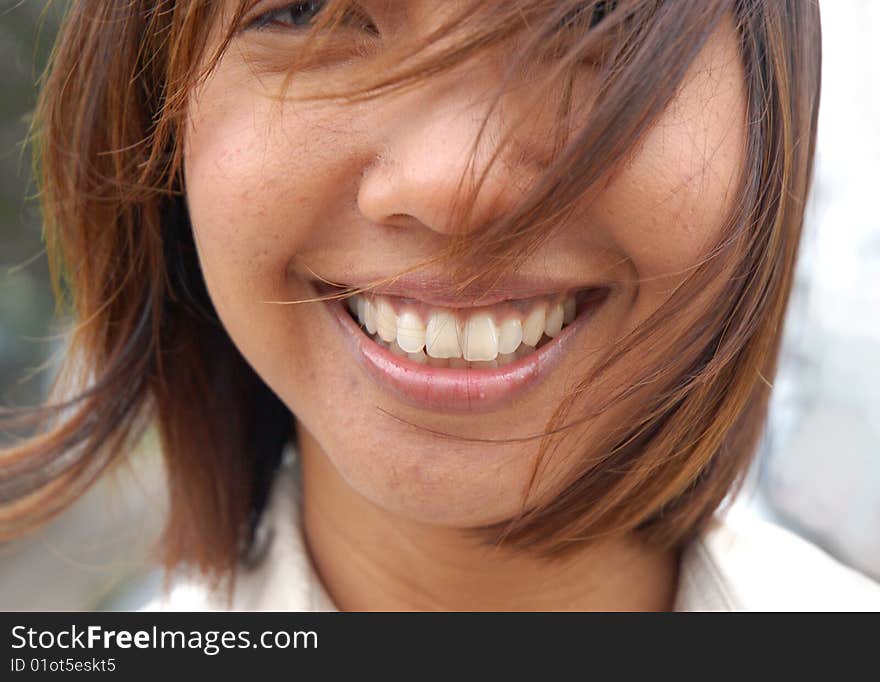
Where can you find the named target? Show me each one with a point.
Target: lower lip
(459, 390)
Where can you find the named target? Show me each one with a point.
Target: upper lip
(442, 292)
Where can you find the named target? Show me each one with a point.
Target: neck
(370, 559)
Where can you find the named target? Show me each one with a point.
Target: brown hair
(148, 347)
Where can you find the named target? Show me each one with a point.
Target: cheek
(241, 150)
(668, 204)
(232, 171)
(249, 220)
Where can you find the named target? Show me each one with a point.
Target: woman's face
(281, 196)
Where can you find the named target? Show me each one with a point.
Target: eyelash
(272, 19)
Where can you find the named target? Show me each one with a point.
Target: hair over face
(149, 351)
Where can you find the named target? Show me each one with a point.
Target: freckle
(393, 478)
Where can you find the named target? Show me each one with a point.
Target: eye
(296, 15)
(567, 35)
(578, 18)
(601, 10)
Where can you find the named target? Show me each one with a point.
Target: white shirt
(737, 564)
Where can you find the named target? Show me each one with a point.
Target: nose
(441, 147)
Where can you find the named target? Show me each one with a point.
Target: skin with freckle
(276, 193)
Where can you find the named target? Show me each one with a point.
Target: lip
(439, 291)
(460, 390)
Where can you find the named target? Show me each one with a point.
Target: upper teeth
(482, 336)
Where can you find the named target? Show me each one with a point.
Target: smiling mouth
(465, 338)
(465, 359)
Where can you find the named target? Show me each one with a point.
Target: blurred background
(818, 470)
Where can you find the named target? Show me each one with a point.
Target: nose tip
(428, 182)
(440, 157)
